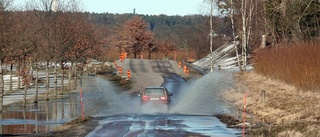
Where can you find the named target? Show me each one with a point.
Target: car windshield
(154, 92)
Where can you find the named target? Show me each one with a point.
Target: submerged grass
(295, 64)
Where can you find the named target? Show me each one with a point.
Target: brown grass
(285, 111)
(296, 64)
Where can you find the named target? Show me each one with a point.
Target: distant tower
(55, 5)
(134, 11)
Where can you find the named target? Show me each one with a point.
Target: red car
(155, 94)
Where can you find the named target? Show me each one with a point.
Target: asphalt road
(190, 112)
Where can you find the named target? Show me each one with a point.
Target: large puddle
(40, 118)
(47, 115)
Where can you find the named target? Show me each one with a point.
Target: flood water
(40, 118)
(103, 99)
(190, 112)
(45, 116)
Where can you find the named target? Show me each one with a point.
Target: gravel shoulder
(276, 108)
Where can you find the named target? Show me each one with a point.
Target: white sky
(150, 7)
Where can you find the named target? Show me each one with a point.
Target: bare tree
(211, 4)
(5, 26)
(24, 44)
(136, 35)
(246, 10)
(50, 13)
(227, 7)
(292, 21)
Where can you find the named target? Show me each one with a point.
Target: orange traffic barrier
(120, 70)
(185, 70)
(121, 57)
(129, 75)
(115, 64)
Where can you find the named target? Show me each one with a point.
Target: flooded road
(119, 114)
(190, 113)
(161, 125)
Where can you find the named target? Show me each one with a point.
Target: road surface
(192, 105)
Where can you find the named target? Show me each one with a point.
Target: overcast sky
(150, 7)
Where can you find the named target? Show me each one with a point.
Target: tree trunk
(25, 93)
(211, 36)
(36, 85)
(55, 79)
(81, 74)
(75, 75)
(10, 86)
(47, 81)
(62, 79)
(70, 75)
(26, 81)
(244, 32)
(135, 55)
(17, 73)
(31, 71)
(233, 35)
(1, 87)
(149, 55)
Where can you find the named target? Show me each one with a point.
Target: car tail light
(145, 98)
(163, 98)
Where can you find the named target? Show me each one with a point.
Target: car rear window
(154, 92)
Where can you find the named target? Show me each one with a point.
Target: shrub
(296, 64)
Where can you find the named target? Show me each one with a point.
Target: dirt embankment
(281, 109)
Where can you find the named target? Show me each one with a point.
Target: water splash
(202, 96)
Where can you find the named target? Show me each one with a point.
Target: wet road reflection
(47, 115)
(40, 118)
(162, 125)
(192, 107)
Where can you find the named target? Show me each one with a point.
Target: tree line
(31, 38)
(182, 33)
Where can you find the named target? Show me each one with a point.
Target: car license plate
(154, 99)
